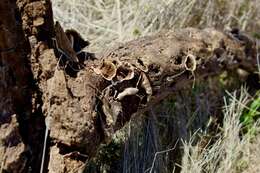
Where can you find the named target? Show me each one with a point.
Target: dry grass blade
(157, 153)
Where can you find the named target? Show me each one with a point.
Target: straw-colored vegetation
(105, 22)
(231, 152)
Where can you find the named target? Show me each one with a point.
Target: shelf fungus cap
(125, 71)
(190, 62)
(107, 70)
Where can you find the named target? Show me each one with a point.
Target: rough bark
(15, 92)
(87, 98)
(21, 120)
(88, 108)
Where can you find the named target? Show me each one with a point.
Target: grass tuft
(106, 22)
(231, 152)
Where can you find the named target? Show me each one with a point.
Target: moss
(108, 156)
(256, 35)
(137, 32)
(242, 165)
(244, 7)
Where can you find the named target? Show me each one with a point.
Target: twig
(160, 152)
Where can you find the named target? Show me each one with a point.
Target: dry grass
(105, 22)
(253, 157)
(231, 152)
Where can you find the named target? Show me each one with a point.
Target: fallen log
(87, 109)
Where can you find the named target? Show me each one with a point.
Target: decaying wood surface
(88, 108)
(15, 92)
(87, 98)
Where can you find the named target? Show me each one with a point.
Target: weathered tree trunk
(21, 119)
(87, 100)
(15, 90)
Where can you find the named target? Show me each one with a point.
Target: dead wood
(87, 109)
(15, 91)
